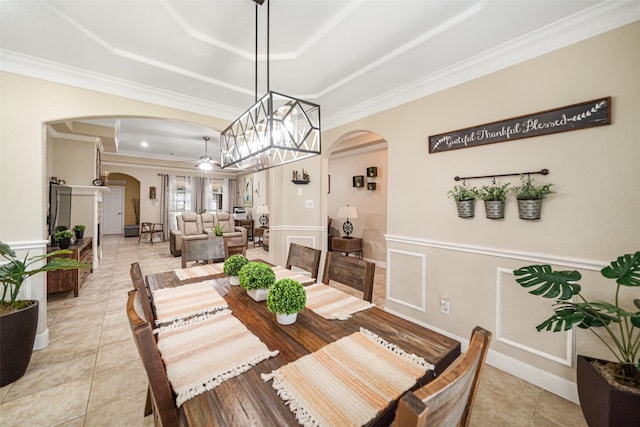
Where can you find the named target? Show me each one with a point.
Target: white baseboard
(536, 376)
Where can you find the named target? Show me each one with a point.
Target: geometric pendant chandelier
(277, 129)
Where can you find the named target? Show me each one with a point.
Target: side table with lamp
(347, 244)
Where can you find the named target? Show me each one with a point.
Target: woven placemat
(200, 271)
(183, 302)
(333, 304)
(347, 382)
(200, 356)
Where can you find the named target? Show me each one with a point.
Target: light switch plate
(308, 204)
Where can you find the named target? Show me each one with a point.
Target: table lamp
(347, 212)
(263, 211)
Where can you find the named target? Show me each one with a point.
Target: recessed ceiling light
(144, 144)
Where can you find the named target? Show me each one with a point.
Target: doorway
(112, 210)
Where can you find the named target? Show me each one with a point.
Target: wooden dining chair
(140, 285)
(350, 271)
(208, 250)
(304, 257)
(447, 400)
(160, 398)
(234, 246)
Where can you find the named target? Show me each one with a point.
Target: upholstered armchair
(189, 228)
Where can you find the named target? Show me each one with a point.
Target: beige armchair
(193, 226)
(189, 228)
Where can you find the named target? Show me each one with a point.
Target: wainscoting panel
(518, 313)
(309, 241)
(410, 268)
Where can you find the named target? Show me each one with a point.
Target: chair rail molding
(578, 263)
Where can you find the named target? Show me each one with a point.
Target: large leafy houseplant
(605, 319)
(16, 271)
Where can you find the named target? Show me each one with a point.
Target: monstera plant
(615, 323)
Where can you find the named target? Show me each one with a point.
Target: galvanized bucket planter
(466, 208)
(494, 209)
(530, 209)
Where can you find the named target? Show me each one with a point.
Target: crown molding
(578, 27)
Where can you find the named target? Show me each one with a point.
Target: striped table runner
(186, 301)
(333, 304)
(347, 382)
(200, 356)
(199, 271)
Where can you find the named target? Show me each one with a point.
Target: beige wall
(592, 219)
(371, 224)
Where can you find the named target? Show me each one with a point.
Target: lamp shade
(262, 210)
(347, 212)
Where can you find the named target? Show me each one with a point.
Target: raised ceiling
(352, 57)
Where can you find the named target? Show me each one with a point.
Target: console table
(258, 233)
(71, 280)
(352, 244)
(248, 224)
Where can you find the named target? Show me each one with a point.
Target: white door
(113, 210)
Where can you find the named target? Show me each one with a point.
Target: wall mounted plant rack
(540, 172)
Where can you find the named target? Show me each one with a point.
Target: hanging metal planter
(529, 209)
(494, 209)
(466, 208)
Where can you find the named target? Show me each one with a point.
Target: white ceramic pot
(258, 294)
(234, 280)
(286, 319)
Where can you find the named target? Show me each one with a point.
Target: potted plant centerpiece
(63, 237)
(79, 231)
(257, 278)
(232, 267)
(530, 197)
(19, 318)
(609, 392)
(494, 197)
(217, 229)
(465, 198)
(286, 298)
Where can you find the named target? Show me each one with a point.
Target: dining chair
(139, 284)
(160, 399)
(350, 271)
(234, 246)
(305, 258)
(447, 400)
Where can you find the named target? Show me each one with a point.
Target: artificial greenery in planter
(286, 298)
(494, 197)
(79, 230)
(256, 278)
(613, 323)
(232, 266)
(218, 230)
(530, 197)
(465, 198)
(63, 237)
(19, 318)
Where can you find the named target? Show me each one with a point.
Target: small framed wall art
(372, 172)
(371, 185)
(358, 181)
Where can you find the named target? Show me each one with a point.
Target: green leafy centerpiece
(286, 298)
(257, 278)
(232, 267)
(79, 230)
(19, 318)
(63, 237)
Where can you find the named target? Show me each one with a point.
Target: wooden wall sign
(572, 117)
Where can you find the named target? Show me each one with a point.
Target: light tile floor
(90, 373)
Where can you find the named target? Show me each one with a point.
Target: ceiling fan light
(205, 166)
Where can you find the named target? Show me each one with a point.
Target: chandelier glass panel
(277, 129)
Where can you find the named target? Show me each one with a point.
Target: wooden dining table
(247, 400)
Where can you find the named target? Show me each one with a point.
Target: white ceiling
(353, 57)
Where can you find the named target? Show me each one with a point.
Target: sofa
(193, 226)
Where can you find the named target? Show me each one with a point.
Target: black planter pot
(17, 335)
(602, 404)
(79, 234)
(64, 243)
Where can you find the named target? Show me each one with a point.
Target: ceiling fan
(205, 162)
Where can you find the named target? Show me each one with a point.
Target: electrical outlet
(444, 305)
